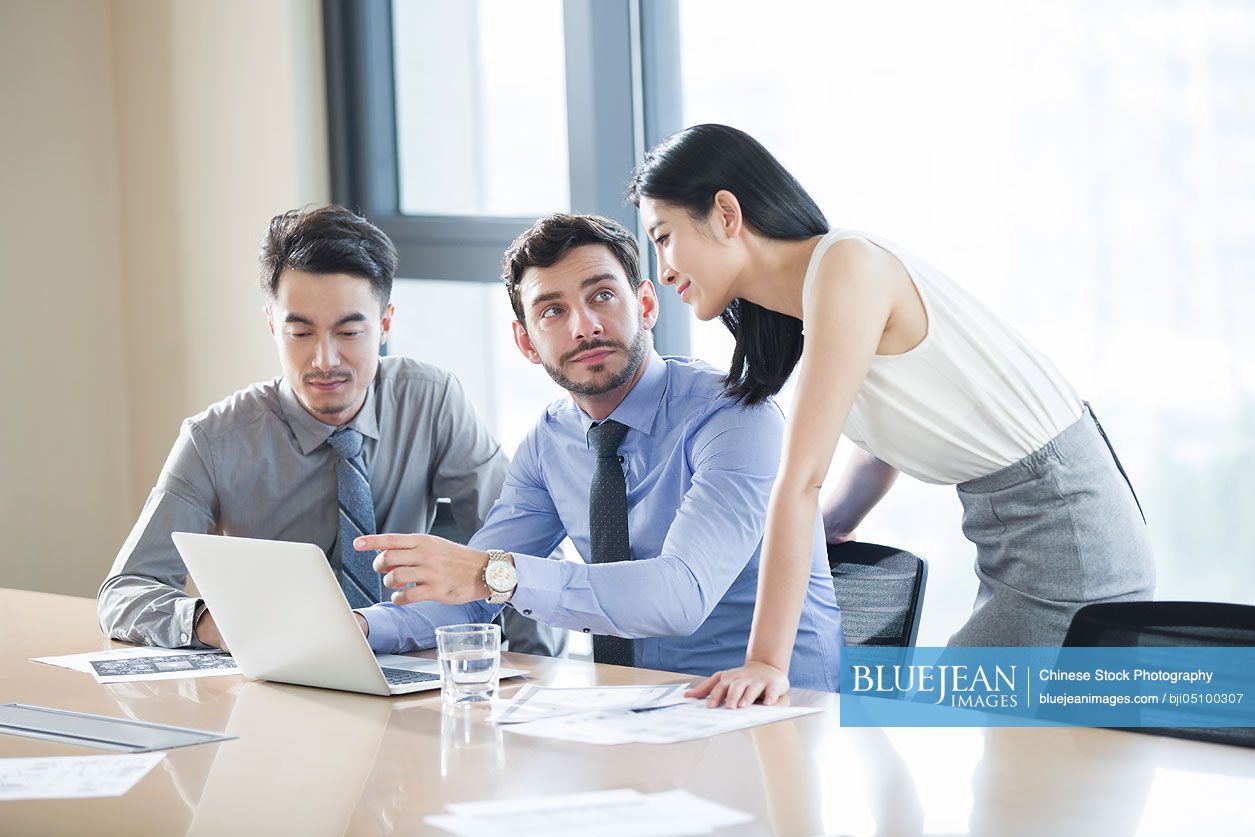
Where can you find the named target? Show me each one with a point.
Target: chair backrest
(1122, 624)
(444, 525)
(1169, 624)
(880, 590)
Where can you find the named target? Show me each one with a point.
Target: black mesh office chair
(880, 590)
(1169, 624)
(445, 526)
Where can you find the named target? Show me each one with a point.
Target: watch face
(501, 576)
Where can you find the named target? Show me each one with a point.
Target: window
(432, 322)
(454, 124)
(481, 107)
(1087, 171)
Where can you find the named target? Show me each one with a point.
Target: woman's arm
(864, 482)
(847, 316)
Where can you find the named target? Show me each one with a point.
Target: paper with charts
(126, 665)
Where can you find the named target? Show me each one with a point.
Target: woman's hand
(742, 686)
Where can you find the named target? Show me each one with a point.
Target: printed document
(73, 777)
(126, 665)
(612, 813)
(531, 703)
(685, 721)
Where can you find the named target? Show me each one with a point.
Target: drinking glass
(470, 661)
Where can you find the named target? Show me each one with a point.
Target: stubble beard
(636, 355)
(331, 410)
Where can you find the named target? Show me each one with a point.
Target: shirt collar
(310, 432)
(639, 407)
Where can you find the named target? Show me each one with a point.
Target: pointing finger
(388, 541)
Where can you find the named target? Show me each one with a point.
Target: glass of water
(470, 661)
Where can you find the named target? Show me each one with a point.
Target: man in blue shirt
(697, 468)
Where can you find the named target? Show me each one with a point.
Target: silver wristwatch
(500, 576)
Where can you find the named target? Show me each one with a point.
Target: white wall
(145, 146)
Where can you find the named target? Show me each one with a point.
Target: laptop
(284, 617)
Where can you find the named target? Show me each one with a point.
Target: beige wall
(63, 426)
(146, 145)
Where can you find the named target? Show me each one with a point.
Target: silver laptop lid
(281, 611)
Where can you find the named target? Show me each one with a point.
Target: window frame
(617, 54)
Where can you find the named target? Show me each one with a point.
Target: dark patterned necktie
(608, 524)
(362, 586)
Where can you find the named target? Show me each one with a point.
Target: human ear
(647, 296)
(524, 341)
(385, 324)
(727, 214)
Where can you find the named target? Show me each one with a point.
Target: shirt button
(183, 638)
(588, 630)
(527, 613)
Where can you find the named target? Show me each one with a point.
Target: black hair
(687, 169)
(328, 239)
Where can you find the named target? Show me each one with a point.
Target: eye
(662, 239)
(604, 296)
(551, 311)
(298, 334)
(350, 333)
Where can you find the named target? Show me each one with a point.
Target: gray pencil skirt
(1057, 530)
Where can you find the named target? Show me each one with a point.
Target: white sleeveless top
(973, 397)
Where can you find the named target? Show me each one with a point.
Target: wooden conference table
(312, 761)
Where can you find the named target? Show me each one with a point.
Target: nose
(666, 274)
(584, 324)
(325, 355)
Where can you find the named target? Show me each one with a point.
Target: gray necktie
(608, 524)
(361, 584)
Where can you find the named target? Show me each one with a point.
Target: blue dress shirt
(699, 472)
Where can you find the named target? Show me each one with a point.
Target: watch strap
(497, 597)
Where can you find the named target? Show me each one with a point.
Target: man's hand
(207, 631)
(742, 686)
(362, 623)
(440, 570)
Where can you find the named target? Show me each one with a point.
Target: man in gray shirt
(260, 463)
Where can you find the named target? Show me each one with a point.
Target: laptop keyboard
(403, 677)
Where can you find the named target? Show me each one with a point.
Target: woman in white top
(917, 373)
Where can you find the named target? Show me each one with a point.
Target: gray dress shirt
(257, 465)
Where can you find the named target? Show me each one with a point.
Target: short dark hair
(686, 170)
(328, 239)
(552, 237)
